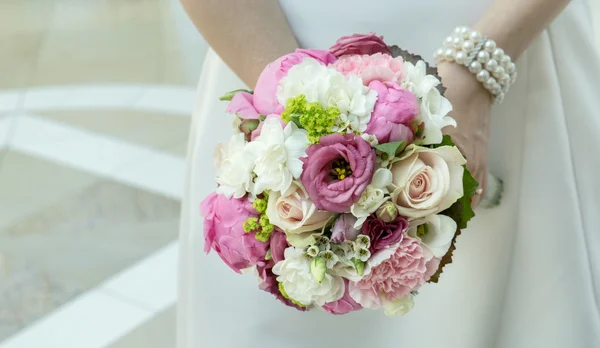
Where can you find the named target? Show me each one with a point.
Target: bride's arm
(514, 24)
(246, 34)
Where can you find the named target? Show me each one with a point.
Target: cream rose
(427, 181)
(296, 214)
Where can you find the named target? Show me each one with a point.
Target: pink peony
(383, 234)
(337, 171)
(395, 277)
(224, 232)
(380, 67)
(395, 111)
(359, 44)
(242, 105)
(265, 92)
(344, 305)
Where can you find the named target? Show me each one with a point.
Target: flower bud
(318, 269)
(247, 126)
(312, 251)
(387, 212)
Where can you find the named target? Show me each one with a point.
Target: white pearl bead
(504, 79)
(490, 82)
(491, 65)
(510, 68)
(463, 30)
(475, 36)
(505, 61)
(468, 46)
(498, 54)
(475, 67)
(499, 72)
(483, 75)
(483, 57)
(439, 53)
(513, 77)
(448, 41)
(499, 98)
(490, 46)
(457, 30)
(461, 57)
(449, 54)
(457, 42)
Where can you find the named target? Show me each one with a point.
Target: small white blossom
(234, 168)
(434, 107)
(276, 153)
(372, 197)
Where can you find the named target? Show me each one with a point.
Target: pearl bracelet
(491, 66)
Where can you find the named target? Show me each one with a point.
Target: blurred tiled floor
(70, 220)
(82, 187)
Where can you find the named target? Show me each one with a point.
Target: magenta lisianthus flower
(359, 44)
(395, 111)
(224, 232)
(384, 234)
(265, 92)
(344, 305)
(337, 171)
(392, 278)
(376, 67)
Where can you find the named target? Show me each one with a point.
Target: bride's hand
(471, 109)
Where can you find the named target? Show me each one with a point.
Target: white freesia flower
(330, 87)
(436, 234)
(276, 153)
(399, 307)
(372, 197)
(295, 275)
(234, 168)
(434, 106)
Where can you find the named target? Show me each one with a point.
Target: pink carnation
(381, 67)
(224, 232)
(409, 267)
(344, 305)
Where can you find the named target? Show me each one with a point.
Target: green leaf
(461, 211)
(268, 256)
(446, 141)
(229, 95)
(391, 149)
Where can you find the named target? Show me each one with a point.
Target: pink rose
(359, 44)
(395, 111)
(344, 305)
(265, 92)
(393, 278)
(384, 234)
(337, 171)
(380, 67)
(224, 232)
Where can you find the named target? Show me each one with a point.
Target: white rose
(434, 107)
(436, 232)
(399, 307)
(234, 168)
(329, 87)
(427, 181)
(296, 214)
(276, 153)
(372, 197)
(298, 282)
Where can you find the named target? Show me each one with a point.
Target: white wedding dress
(525, 275)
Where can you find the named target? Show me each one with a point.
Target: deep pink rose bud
(224, 231)
(359, 44)
(384, 234)
(337, 171)
(395, 111)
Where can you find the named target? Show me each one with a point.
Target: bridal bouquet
(338, 187)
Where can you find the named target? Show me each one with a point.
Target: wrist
(457, 78)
